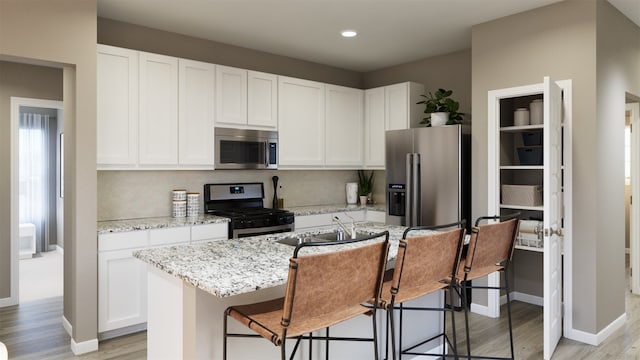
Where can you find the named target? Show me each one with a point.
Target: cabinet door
(122, 290)
(117, 106)
(209, 232)
(158, 110)
(262, 100)
(196, 112)
(343, 126)
(552, 218)
(397, 106)
(231, 96)
(374, 126)
(300, 122)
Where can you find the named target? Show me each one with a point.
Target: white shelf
(521, 128)
(529, 248)
(522, 167)
(522, 207)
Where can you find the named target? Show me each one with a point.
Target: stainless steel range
(243, 204)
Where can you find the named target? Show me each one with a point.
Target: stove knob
(248, 223)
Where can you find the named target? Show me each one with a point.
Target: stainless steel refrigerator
(428, 175)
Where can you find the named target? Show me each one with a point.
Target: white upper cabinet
(374, 128)
(401, 111)
(231, 96)
(196, 89)
(262, 100)
(117, 107)
(158, 110)
(343, 127)
(301, 119)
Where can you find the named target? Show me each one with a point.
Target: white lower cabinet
(122, 279)
(209, 232)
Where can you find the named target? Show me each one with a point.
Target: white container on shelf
(536, 108)
(179, 195)
(521, 117)
(179, 209)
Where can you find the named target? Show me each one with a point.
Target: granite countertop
(231, 267)
(113, 226)
(325, 209)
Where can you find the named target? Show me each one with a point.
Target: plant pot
(363, 200)
(439, 118)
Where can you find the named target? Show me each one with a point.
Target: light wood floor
(34, 331)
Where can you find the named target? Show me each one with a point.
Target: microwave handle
(266, 154)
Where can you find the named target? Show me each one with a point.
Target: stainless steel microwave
(245, 149)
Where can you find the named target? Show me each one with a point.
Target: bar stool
(324, 287)
(425, 264)
(490, 249)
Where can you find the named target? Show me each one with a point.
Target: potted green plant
(365, 186)
(441, 109)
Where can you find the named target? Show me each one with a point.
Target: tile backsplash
(141, 193)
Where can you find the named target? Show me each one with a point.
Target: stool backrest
(492, 244)
(423, 260)
(327, 283)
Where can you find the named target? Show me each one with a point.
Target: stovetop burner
(243, 204)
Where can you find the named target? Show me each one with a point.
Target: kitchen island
(190, 286)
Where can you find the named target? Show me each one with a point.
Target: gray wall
(618, 72)
(561, 41)
(65, 37)
(449, 71)
(27, 81)
(116, 33)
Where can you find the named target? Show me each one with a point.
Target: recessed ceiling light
(348, 33)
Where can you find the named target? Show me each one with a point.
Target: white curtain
(34, 175)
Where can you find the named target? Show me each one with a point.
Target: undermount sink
(326, 237)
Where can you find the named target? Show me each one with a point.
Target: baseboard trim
(596, 339)
(526, 298)
(480, 309)
(84, 347)
(122, 331)
(8, 301)
(59, 249)
(67, 326)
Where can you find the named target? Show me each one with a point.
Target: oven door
(245, 149)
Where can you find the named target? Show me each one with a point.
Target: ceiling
(390, 32)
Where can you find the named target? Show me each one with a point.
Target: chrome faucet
(353, 226)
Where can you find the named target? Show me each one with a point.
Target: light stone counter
(326, 209)
(233, 267)
(114, 226)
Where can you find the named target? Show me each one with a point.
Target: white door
(300, 122)
(552, 257)
(158, 110)
(262, 100)
(374, 126)
(343, 126)
(231, 96)
(633, 110)
(196, 84)
(397, 106)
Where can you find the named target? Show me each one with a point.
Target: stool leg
(224, 343)
(453, 323)
(506, 285)
(375, 334)
(326, 341)
(463, 289)
(393, 333)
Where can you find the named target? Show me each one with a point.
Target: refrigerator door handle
(416, 195)
(408, 217)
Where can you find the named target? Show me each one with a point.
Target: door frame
(16, 103)
(634, 218)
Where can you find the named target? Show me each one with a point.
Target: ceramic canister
(179, 208)
(179, 195)
(521, 117)
(193, 204)
(536, 108)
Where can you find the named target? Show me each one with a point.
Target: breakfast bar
(190, 286)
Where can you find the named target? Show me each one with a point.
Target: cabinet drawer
(124, 240)
(169, 236)
(209, 232)
(307, 221)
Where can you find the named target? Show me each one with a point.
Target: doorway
(632, 187)
(37, 198)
